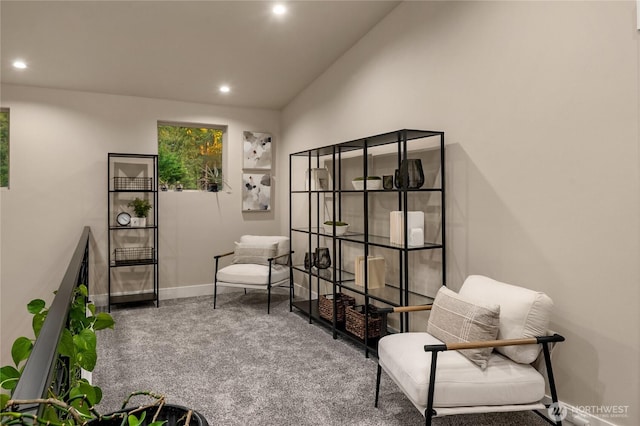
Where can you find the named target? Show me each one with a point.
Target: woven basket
(325, 306)
(355, 321)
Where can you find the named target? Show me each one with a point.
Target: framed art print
(256, 192)
(256, 150)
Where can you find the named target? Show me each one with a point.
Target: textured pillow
(256, 253)
(283, 244)
(523, 313)
(455, 319)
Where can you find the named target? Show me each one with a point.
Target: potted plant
(373, 182)
(341, 227)
(141, 209)
(76, 406)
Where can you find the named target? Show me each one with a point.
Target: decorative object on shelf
(164, 186)
(341, 227)
(132, 183)
(415, 227)
(132, 255)
(178, 187)
(325, 306)
(355, 321)
(257, 150)
(411, 174)
(256, 192)
(309, 260)
(123, 219)
(376, 269)
(387, 182)
(373, 182)
(322, 258)
(141, 209)
(319, 179)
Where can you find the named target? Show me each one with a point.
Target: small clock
(124, 219)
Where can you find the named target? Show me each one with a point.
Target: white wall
(59, 145)
(539, 102)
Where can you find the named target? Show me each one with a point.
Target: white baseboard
(177, 292)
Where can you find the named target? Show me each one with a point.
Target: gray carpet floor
(236, 365)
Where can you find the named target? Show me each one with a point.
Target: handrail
(38, 372)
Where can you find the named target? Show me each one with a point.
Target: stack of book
(375, 271)
(415, 227)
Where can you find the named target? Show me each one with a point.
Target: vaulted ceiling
(181, 50)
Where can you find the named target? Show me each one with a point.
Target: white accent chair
(440, 380)
(259, 262)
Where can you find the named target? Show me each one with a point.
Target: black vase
(410, 174)
(309, 260)
(322, 258)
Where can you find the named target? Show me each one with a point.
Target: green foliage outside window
(185, 154)
(4, 148)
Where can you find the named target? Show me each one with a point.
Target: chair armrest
(493, 343)
(404, 309)
(222, 255)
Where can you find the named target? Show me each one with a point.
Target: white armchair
(481, 352)
(259, 262)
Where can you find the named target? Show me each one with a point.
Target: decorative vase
(387, 181)
(309, 260)
(322, 258)
(212, 187)
(138, 222)
(410, 175)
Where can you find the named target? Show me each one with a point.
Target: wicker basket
(355, 321)
(325, 306)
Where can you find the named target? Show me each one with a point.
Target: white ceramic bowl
(340, 229)
(371, 184)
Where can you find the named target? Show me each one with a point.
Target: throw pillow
(256, 253)
(454, 319)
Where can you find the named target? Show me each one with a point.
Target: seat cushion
(455, 319)
(252, 274)
(459, 382)
(523, 313)
(283, 244)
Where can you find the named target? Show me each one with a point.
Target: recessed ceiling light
(279, 9)
(225, 89)
(19, 64)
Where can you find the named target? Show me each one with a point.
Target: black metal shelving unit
(332, 203)
(133, 248)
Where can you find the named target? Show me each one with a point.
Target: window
(4, 147)
(190, 155)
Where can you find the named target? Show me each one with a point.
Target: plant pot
(371, 184)
(138, 222)
(174, 415)
(212, 187)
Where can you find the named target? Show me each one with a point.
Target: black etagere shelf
(131, 247)
(327, 199)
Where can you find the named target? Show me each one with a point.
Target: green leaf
(67, 347)
(82, 289)
(21, 349)
(157, 423)
(38, 321)
(98, 392)
(4, 398)
(83, 389)
(103, 320)
(36, 306)
(9, 377)
(92, 308)
(134, 421)
(85, 343)
(85, 340)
